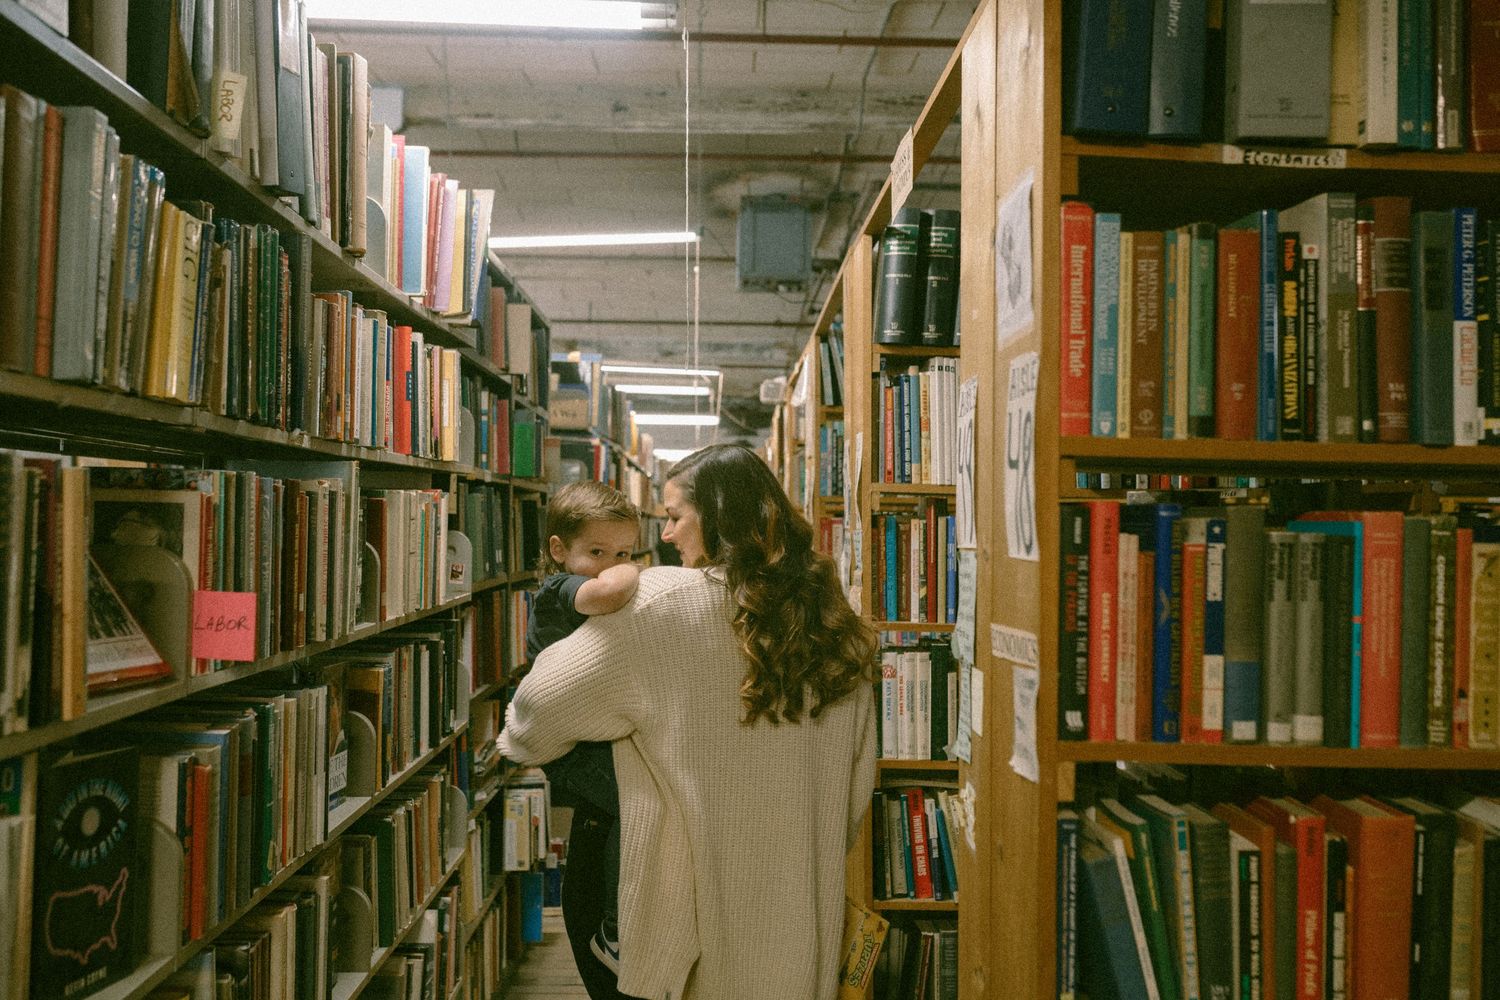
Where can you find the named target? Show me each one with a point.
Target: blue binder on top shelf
(1107, 71)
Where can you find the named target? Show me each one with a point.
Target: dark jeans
(584, 778)
(583, 897)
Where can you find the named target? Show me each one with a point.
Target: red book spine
(1484, 76)
(1145, 639)
(1380, 666)
(1076, 384)
(402, 391)
(502, 434)
(932, 564)
(1390, 275)
(1463, 596)
(1104, 560)
(200, 850)
(888, 433)
(921, 857)
(1191, 652)
(1308, 832)
(46, 265)
(1235, 386)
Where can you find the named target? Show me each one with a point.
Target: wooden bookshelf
(39, 413)
(916, 905)
(1261, 755)
(888, 765)
(1261, 458)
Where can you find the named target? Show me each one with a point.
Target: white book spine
(1125, 646)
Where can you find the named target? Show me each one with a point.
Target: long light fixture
(677, 419)
(663, 390)
(660, 370)
(590, 240)
(619, 15)
(672, 454)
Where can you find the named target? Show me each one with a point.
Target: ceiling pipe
(590, 35)
(816, 158)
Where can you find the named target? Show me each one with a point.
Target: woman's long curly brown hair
(807, 647)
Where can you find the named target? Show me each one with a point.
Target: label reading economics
(1305, 159)
(224, 625)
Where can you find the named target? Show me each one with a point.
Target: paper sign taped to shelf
(224, 625)
(1015, 645)
(1306, 159)
(962, 808)
(968, 396)
(902, 171)
(229, 104)
(1024, 683)
(1013, 310)
(976, 702)
(1020, 459)
(962, 641)
(961, 748)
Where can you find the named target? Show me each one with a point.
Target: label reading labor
(224, 625)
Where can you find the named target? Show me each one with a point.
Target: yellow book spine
(159, 334)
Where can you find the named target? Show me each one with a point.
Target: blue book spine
(1213, 624)
(952, 529)
(1171, 247)
(890, 568)
(903, 424)
(906, 857)
(1166, 679)
(914, 419)
(1268, 412)
(1067, 905)
(1178, 49)
(1355, 530)
(1110, 67)
(950, 873)
(1106, 320)
(414, 220)
(531, 907)
(374, 433)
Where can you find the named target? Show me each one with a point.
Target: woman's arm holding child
(609, 591)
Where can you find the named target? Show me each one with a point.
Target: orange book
(46, 258)
(1381, 844)
(1193, 584)
(1303, 829)
(1263, 836)
(1145, 635)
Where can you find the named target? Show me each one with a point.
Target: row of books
(916, 286)
(513, 336)
(1339, 319)
(831, 538)
(831, 458)
(524, 832)
(1384, 73)
(1278, 897)
(487, 956)
(915, 564)
(299, 124)
(918, 962)
(831, 364)
(916, 413)
(913, 853)
(1336, 628)
(918, 701)
(479, 867)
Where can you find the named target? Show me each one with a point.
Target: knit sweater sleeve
(580, 688)
(862, 780)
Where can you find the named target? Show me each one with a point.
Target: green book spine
(1203, 268)
(1415, 623)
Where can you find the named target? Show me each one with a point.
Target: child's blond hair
(578, 504)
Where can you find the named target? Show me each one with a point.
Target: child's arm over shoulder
(609, 591)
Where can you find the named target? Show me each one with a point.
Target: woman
(738, 691)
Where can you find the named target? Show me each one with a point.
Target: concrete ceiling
(584, 132)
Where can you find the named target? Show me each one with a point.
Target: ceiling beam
(406, 29)
(563, 154)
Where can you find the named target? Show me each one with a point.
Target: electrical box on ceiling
(773, 248)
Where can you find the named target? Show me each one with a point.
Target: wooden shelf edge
(883, 626)
(916, 905)
(914, 351)
(889, 764)
(1256, 755)
(1224, 154)
(912, 489)
(1251, 457)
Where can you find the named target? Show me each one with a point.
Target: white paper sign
(1025, 681)
(1015, 645)
(962, 806)
(968, 580)
(976, 706)
(1013, 311)
(961, 748)
(851, 484)
(229, 104)
(902, 172)
(968, 395)
(1020, 459)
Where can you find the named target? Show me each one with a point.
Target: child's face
(600, 545)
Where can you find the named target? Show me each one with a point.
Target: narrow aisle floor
(547, 972)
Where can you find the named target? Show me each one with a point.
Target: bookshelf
(1012, 118)
(81, 420)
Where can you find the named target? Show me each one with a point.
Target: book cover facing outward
(87, 876)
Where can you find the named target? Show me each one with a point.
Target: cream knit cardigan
(732, 837)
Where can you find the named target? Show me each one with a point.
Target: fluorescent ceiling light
(672, 454)
(660, 370)
(663, 390)
(589, 240)
(616, 14)
(677, 419)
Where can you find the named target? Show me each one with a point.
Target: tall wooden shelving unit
(81, 420)
(1012, 114)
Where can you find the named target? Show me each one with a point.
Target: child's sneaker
(605, 950)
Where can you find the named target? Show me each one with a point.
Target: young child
(592, 530)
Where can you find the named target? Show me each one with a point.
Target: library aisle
(548, 973)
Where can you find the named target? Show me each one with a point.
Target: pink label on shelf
(224, 625)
